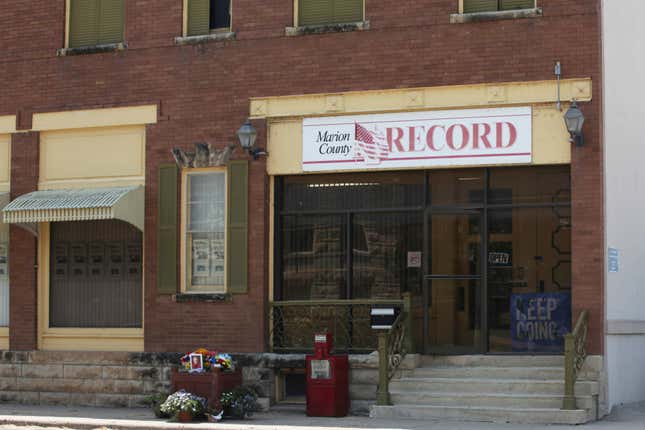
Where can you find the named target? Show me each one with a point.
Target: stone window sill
(327, 28)
(95, 49)
(202, 297)
(463, 18)
(194, 40)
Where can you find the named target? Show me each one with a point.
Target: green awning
(124, 203)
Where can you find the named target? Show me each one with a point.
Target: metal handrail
(393, 345)
(575, 352)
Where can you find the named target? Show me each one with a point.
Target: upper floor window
(474, 6)
(205, 16)
(95, 22)
(322, 12)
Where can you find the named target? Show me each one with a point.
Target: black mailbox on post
(383, 318)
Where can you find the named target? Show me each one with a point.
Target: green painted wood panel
(516, 4)
(348, 11)
(167, 230)
(111, 18)
(83, 23)
(237, 240)
(473, 6)
(315, 12)
(198, 17)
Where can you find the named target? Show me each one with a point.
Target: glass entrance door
(453, 282)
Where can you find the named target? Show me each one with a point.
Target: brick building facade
(201, 91)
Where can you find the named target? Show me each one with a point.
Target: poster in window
(201, 258)
(114, 251)
(133, 260)
(97, 259)
(61, 260)
(217, 261)
(78, 251)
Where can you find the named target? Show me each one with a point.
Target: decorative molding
(406, 99)
(204, 156)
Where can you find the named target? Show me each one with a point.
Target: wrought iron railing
(575, 352)
(392, 347)
(294, 323)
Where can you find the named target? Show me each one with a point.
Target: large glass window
(205, 231)
(475, 247)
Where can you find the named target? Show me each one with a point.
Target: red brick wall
(23, 248)
(204, 90)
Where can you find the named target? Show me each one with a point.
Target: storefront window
(95, 275)
(205, 231)
(478, 249)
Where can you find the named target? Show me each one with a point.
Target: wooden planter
(210, 384)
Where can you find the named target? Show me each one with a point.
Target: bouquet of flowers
(203, 360)
(240, 402)
(183, 401)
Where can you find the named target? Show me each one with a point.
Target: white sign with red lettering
(470, 137)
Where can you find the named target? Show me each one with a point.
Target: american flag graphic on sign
(371, 144)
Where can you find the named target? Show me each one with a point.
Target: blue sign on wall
(539, 321)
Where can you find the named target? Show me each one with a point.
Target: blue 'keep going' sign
(539, 321)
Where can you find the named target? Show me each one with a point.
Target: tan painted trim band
(625, 327)
(109, 117)
(7, 124)
(407, 99)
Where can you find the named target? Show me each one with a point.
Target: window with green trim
(95, 22)
(474, 6)
(205, 230)
(322, 12)
(206, 16)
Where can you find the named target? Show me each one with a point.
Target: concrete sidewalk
(16, 417)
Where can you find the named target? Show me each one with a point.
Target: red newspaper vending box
(327, 380)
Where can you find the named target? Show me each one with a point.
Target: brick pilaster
(23, 303)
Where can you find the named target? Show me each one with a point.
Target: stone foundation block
(128, 387)
(114, 372)
(143, 373)
(61, 399)
(9, 370)
(77, 371)
(42, 370)
(82, 399)
(7, 384)
(112, 400)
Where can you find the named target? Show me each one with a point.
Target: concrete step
(489, 372)
(485, 385)
(489, 414)
(485, 399)
(493, 360)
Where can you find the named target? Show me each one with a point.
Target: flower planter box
(210, 384)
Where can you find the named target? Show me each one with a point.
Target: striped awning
(124, 203)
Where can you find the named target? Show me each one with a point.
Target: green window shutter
(83, 23)
(237, 228)
(472, 6)
(198, 17)
(111, 17)
(348, 11)
(313, 12)
(167, 230)
(516, 4)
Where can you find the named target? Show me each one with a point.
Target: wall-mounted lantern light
(574, 119)
(247, 134)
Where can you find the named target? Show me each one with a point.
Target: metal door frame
(481, 346)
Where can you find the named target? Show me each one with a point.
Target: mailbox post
(327, 380)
